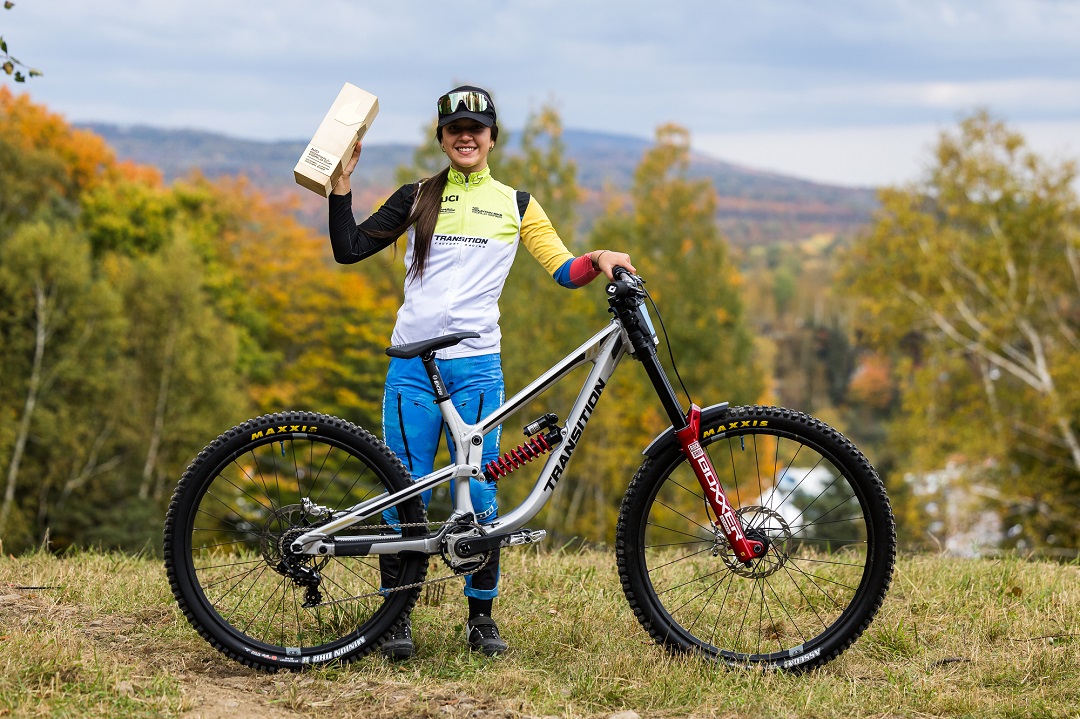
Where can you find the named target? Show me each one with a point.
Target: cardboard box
(344, 125)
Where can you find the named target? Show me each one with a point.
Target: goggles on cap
(474, 102)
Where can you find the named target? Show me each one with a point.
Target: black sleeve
(522, 203)
(351, 242)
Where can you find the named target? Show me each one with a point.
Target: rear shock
(530, 450)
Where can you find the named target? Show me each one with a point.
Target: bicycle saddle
(415, 349)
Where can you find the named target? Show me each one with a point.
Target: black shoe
(398, 644)
(484, 637)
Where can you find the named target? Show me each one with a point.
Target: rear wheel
(234, 515)
(799, 486)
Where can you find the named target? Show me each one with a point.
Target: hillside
(755, 206)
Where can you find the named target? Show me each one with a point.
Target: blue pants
(412, 424)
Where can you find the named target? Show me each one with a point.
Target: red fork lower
(689, 437)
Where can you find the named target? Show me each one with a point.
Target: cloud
(267, 70)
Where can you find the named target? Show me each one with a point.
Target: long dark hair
(425, 214)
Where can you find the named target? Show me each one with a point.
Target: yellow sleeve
(541, 239)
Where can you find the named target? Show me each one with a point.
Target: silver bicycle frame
(604, 350)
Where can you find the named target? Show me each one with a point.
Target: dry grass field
(99, 635)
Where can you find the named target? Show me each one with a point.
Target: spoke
(826, 561)
(859, 518)
(244, 491)
(691, 521)
(811, 524)
(760, 615)
(223, 520)
(757, 467)
(262, 476)
(330, 482)
(806, 476)
(719, 611)
(811, 579)
(259, 613)
(362, 578)
(296, 468)
(222, 531)
(783, 606)
(705, 604)
(679, 608)
(242, 575)
(262, 570)
(821, 494)
(219, 544)
(811, 576)
(677, 560)
(376, 485)
(734, 472)
(798, 587)
(679, 531)
(743, 614)
(837, 540)
(299, 623)
(231, 564)
(678, 544)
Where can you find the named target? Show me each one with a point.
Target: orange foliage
(87, 159)
(872, 384)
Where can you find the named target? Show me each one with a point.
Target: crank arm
(478, 545)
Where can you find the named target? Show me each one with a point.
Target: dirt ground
(212, 687)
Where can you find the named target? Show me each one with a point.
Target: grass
(971, 638)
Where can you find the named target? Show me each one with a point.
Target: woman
(463, 230)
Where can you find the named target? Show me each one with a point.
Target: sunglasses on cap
(474, 102)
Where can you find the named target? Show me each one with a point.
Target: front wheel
(802, 488)
(233, 518)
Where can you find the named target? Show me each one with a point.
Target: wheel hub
(281, 529)
(763, 525)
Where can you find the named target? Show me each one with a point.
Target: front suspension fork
(689, 438)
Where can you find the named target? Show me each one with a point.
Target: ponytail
(424, 216)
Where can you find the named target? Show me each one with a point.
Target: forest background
(139, 319)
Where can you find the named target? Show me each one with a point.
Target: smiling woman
(463, 229)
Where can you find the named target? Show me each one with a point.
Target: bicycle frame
(629, 332)
(604, 350)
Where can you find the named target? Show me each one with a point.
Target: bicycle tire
(793, 480)
(240, 501)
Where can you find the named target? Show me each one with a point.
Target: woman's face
(467, 144)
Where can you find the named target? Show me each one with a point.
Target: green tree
(972, 277)
(61, 328)
(670, 233)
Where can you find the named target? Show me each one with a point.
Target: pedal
(525, 536)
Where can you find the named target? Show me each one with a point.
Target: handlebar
(626, 283)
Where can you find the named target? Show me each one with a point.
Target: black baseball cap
(466, 102)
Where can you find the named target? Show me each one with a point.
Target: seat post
(435, 376)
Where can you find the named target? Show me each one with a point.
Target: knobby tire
(235, 509)
(793, 480)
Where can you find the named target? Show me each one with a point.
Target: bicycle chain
(384, 592)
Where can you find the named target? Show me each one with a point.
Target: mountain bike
(752, 536)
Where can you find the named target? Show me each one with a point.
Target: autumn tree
(970, 278)
(667, 225)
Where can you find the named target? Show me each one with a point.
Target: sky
(849, 92)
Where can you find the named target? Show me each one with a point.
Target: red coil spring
(516, 457)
